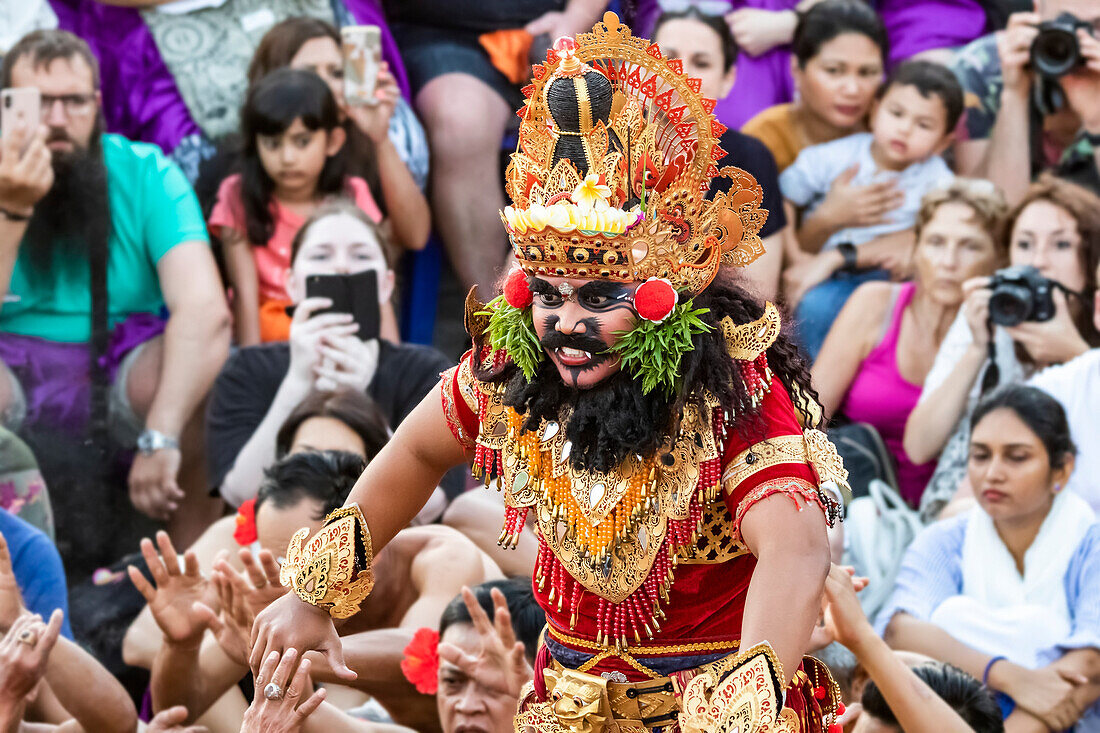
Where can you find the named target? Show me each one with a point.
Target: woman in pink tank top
(882, 345)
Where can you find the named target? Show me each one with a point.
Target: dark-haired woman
(839, 50)
(1010, 591)
(293, 158)
(386, 144)
(707, 49)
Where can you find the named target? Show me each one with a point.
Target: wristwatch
(847, 250)
(150, 441)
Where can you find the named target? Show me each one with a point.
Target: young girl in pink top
(293, 159)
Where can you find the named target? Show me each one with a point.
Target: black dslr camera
(1020, 294)
(1055, 51)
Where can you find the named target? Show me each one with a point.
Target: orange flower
(421, 662)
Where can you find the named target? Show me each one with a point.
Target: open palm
(500, 664)
(174, 591)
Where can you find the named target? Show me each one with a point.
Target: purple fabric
(914, 26)
(762, 81)
(55, 377)
(140, 98)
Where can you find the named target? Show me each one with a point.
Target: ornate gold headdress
(617, 149)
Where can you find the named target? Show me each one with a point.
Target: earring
(1057, 488)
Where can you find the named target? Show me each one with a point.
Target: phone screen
(355, 294)
(362, 49)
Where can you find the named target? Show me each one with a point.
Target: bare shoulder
(443, 553)
(867, 306)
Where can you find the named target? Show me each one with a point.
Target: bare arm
(789, 542)
(196, 340)
(932, 421)
(917, 707)
(408, 209)
(849, 341)
(87, 691)
(193, 675)
(241, 269)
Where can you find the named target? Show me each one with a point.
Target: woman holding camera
(880, 347)
(1056, 230)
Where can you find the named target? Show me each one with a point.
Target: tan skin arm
(395, 486)
(789, 542)
(850, 339)
(240, 269)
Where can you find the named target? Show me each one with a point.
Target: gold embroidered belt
(627, 654)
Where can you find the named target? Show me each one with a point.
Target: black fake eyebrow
(601, 288)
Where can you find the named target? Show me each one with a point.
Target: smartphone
(362, 58)
(355, 294)
(20, 107)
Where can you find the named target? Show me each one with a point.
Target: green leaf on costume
(654, 350)
(513, 330)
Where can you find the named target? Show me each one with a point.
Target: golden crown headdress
(617, 149)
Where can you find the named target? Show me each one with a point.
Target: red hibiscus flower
(421, 662)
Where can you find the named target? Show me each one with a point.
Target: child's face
(294, 159)
(909, 127)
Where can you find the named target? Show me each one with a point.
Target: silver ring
(273, 691)
(27, 637)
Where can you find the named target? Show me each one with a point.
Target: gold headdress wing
(617, 149)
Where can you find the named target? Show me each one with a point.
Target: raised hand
(500, 664)
(24, 653)
(11, 600)
(174, 592)
(278, 706)
(233, 626)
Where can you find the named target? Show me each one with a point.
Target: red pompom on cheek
(654, 299)
(517, 291)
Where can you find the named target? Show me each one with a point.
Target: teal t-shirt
(153, 208)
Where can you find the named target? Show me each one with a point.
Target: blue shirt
(38, 569)
(806, 182)
(931, 572)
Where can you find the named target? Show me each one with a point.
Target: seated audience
(704, 44)
(293, 159)
(1007, 590)
(178, 79)
(487, 641)
(467, 104)
(1019, 123)
(260, 385)
(96, 354)
(415, 577)
(896, 697)
(1056, 229)
(839, 52)
(882, 344)
(378, 135)
(911, 124)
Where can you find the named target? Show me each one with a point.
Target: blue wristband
(989, 666)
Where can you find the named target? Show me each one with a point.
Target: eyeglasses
(75, 105)
(706, 7)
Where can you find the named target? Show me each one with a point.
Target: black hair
(528, 618)
(615, 419)
(1042, 414)
(974, 703)
(326, 476)
(353, 408)
(715, 22)
(564, 106)
(272, 105)
(831, 18)
(931, 80)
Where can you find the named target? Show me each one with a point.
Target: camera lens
(1055, 52)
(1010, 304)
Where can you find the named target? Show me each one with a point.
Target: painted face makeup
(577, 321)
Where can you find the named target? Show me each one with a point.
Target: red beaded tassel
(514, 520)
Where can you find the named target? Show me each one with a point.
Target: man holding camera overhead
(1033, 98)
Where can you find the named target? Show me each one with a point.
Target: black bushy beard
(74, 215)
(614, 420)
